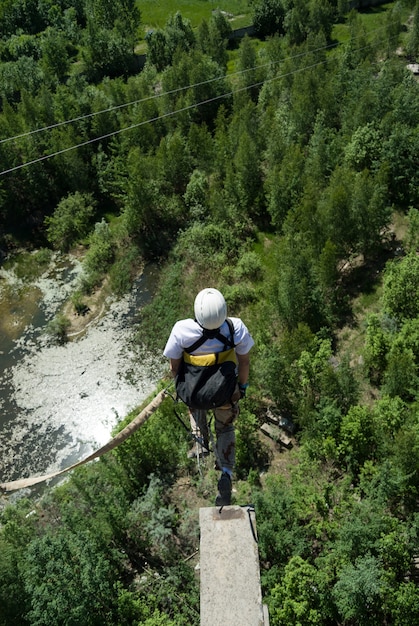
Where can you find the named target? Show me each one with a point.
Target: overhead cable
(170, 113)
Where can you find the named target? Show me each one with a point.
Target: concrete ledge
(229, 568)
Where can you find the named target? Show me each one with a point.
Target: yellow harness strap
(205, 360)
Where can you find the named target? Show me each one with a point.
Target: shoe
(224, 490)
(198, 450)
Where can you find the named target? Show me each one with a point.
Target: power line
(175, 112)
(158, 95)
(155, 119)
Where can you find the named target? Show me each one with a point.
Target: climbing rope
(195, 438)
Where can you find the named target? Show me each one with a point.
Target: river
(59, 402)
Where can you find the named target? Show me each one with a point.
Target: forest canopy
(279, 166)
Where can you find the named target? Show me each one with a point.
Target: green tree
(212, 37)
(296, 21)
(219, 33)
(151, 215)
(174, 162)
(106, 53)
(176, 37)
(411, 240)
(364, 148)
(151, 523)
(357, 592)
(297, 290)
(377, 343)
(246, 182)
(401, 149)
(371, 213)
(158, 53)
(357, 439)
(401, 288)
(13, 597)
(401, 375)
(324, 390)
(389, 416)
(405, 607)
(99, 256)
(123, 15)
(179, 33)
(201, 147)
(55, 54)
(334, 211)
(71, 220)
(194, 86)
(68, 577)
(268, 17)
(249, 76)
(203, 40)
(284, 185)
(322, 17)
(404, 459)
(322, 152)
(296, 599)
(24, 74)
(393, 27)
(196, 194)
(357, 49)
(21, 45)
(110, 37)
(21, 16)
(413, 37)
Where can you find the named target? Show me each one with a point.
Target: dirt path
(95, 307)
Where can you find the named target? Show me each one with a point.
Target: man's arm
(243, 361)
(174, 366)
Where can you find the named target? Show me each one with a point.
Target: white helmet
(210, 308)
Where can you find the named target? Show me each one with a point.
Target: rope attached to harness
(126, 432)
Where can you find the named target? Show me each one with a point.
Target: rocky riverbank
(58, 402)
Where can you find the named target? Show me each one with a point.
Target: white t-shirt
(186, 332)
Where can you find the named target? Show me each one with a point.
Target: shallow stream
(59, 402)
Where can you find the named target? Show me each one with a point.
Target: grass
(154, 13)
(373, 20)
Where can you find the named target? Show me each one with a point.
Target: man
(210, 310)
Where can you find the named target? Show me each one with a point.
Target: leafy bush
(154, 449)
(401, 288)
(357, 592)
(79, 306)
(71, 220)
(251, 454)
(296, 599)
(74, 571)
(122, 272)
(377, 343)
(249, 266)
(357, 438)
(58, 327)
(151, 524)
(99, 256)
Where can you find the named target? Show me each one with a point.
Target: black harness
(214, 334)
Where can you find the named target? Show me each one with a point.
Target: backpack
(208, 381)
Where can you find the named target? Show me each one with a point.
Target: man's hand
(243, 389)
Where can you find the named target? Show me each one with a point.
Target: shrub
(401, 287)
(58, 327)
(71, 220)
